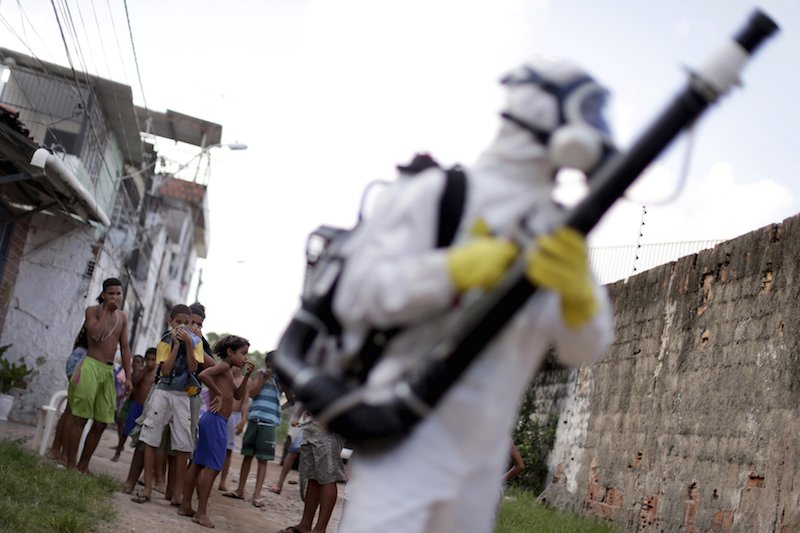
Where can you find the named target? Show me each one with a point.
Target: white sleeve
(588, 343)
(393, 275)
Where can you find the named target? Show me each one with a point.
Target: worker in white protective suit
(446, 475)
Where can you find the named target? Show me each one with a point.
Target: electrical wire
(77, 90)
(117, 105)
(67, 12)
(143, 237)
(100, 146)
(135, 57)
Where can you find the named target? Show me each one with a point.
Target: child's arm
(125, 351)
(238, 393)
(245, 413)
(206, 377)
(289, 395)
(166, 366)
(258, 383)
(186, 339)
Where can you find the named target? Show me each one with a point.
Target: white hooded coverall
(446, 475)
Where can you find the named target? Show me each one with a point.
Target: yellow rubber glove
(560, 262)
(480, 263)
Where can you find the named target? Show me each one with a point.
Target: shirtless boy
(142, 383)
(91, 392)
(209, 456)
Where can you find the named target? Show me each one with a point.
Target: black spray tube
(489, 315)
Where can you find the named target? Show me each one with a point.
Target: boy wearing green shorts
(91, 393)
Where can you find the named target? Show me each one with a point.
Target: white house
(80, 202)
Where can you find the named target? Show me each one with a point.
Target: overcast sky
(331, 94)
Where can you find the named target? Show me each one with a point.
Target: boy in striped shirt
(264, 417)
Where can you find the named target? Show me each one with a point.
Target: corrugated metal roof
(179, 127)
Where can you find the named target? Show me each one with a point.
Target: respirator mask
(562, 107)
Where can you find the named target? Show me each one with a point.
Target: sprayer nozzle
(758, 28)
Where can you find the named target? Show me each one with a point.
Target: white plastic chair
(48, 417)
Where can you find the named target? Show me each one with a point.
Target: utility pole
(199, 284)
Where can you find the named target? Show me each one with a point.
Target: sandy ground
(228, 514)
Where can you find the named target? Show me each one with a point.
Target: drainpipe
(55, 169)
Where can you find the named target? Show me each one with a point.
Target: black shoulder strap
(451, 205)
(451, 208)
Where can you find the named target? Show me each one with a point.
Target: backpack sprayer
(337, 401)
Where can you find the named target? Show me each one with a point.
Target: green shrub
(12, 375)
(534, 441)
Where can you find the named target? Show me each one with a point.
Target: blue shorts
(211, 441)
(134, 411)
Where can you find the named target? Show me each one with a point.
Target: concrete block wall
(690, 422)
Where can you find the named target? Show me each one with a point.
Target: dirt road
(228, 514)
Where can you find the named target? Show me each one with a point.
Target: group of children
(164, 419)
(191, 407)
(181, 407)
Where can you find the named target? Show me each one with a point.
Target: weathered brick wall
(15, 250)
(691, 421)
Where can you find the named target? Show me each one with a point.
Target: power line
(76, 39)
(108, 69)
(99, 145)
(66, 48)
(77, 88)
(116, 39)
(136, 58)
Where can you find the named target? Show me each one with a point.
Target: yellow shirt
(164, 349)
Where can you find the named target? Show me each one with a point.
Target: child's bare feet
(127, 488)
(140, 498)
(223, 488)
(202, 520)
(115, 458)
(186, 511)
